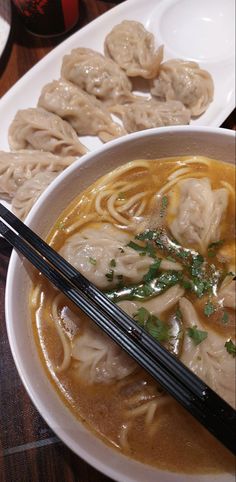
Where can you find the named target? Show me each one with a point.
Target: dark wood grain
(29, 450)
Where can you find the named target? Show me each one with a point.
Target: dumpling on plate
(86, 114)
(29, 192)
(35, 128)
(185, 81)
(132, 47)
(97, 75)
(18, 167)
(145, 114)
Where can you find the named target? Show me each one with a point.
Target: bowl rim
(93, 460)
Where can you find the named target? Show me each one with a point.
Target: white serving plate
(5, 23)
(201, 30)
(150, 144)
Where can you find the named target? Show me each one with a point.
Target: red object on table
(48, 18)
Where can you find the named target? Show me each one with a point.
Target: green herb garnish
(147, 249)
(178, 315)
(212, 248)
(93, 261)
(145, 289)
(110, 275)
(141, 316)
(230, 347)
(225, 317)
(209, 309)
(113, 263)
(164, 202)
(154, 326)
(152, 272)
(197, 335)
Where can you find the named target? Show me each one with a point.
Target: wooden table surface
(29, 450)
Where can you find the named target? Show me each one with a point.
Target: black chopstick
(78, 280)
(203, 403)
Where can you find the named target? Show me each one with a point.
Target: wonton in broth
(157, 236)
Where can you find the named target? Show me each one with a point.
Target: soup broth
(157, 236)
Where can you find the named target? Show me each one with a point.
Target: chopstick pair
(174, 377)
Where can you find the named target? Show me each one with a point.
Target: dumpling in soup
(132, 47)
(35, 128)
(208, 359)
(199, 213)
(145, 114)
(100, 359)
(86, 114)
(185, 81)
(97, 75)
(92, 250)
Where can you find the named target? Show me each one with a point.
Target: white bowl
(154, 143)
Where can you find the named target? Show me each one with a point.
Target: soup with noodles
(157, 236)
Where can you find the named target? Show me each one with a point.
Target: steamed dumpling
(29, 192)
(101, 255)
(132, 47)
(209, 360)
(18, 167)
(35, 128)
(97, 75)
(100, 359)
(145, 114)
(86, 114)
(198, 214)
(185, 81)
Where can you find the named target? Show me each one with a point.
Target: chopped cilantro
(164, 202)
(178, 315)
(209, 309)
(147, 249)
(212, 248)
(110, 275)
(158, 329)
(196, 266)
(93, 261)
(231, 348)
(141, 316)
(152, 272)
(154, 326)
(121, 250)
(197, 335)
(216, 244)
(144, 290)
(148, 234)
(187, 284)
(225, 317)
(113, 263)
